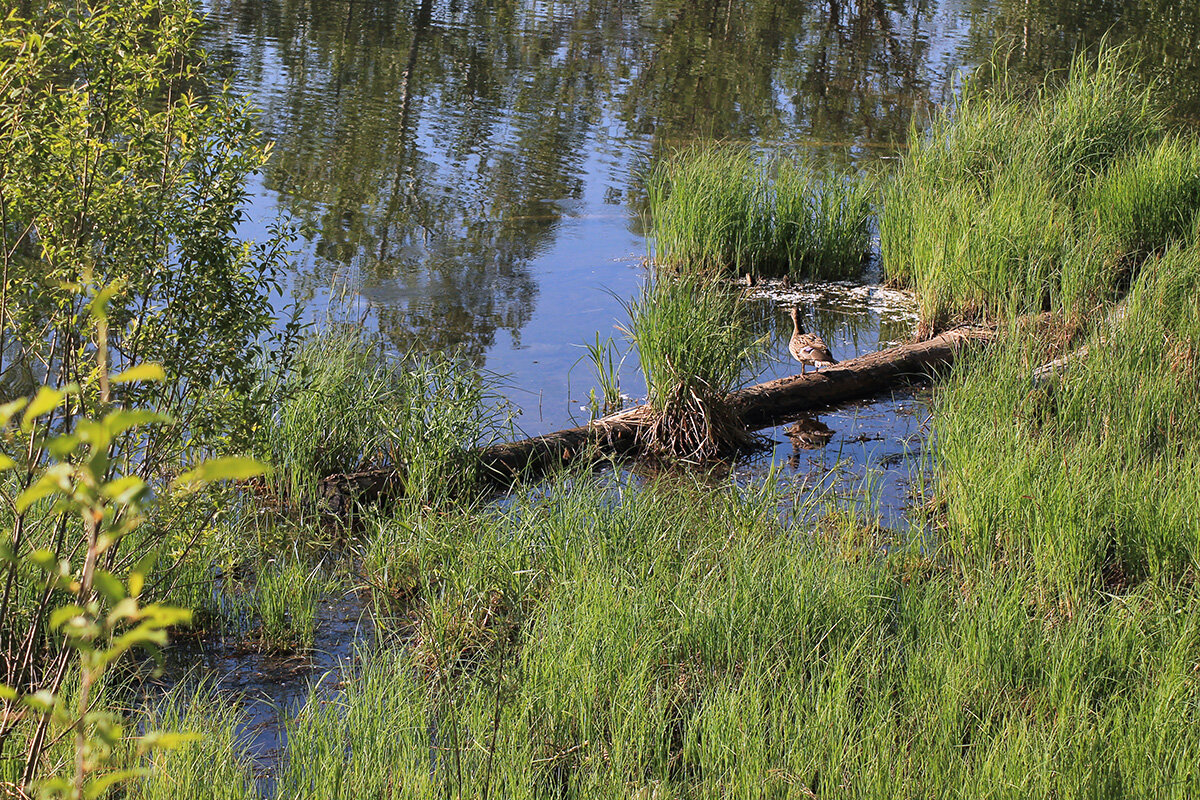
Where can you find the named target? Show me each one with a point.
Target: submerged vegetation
(723, 209)
(591, 637)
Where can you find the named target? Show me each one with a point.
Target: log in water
(616, 435)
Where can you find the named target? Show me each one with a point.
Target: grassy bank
(1011, 203)
(722, 209)
(1086, 483)
(677, 642)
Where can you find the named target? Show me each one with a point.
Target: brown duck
(808, 348)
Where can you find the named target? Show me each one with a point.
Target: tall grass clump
(1013, 202)
(721, 209)
(286, 595)
(348, 405)
(213, 765)
(1149, 198)
(1088, 481)
(696, 342)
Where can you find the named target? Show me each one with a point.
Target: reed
(285, 597)
(696, 341)
(606, 366)
(347, 405)
(1010, 204)
(721, 209)
(1148, 199)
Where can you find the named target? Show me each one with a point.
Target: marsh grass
(348, 405)
(285, 597)
(672, 639)
(606, 365)
(1087, 482)
(721, 209)
(213, 765)
(696, 341)
(1011, 203)
(588, 641)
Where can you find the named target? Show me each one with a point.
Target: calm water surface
(468, 172)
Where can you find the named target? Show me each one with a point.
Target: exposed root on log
(694, 428)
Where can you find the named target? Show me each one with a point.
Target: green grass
(348, 405)
(678, 641)
(696, 341)
(721, 209)
(1010, 204)
(214, 765)
(285, 596)
(1089, 481)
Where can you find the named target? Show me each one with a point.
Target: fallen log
(617, 434)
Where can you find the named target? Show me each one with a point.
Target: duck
(808, 348)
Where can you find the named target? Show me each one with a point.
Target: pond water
(467, 174)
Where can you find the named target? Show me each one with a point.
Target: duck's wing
(814, 348)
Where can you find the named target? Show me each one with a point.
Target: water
(468, 177)
(469, 172)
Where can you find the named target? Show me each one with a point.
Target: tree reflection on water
(434, 149)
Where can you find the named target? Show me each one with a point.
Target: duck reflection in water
(807, 433)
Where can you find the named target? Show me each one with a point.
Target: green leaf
(98, 786)
(137, 577)
(45, 400)
(92, 432)
(41, 701)
(55, 479)
(64, 614)
(126, 490)
(99, 305)
(136, 581)
(62, 446)
(220, 469)
(44, 559)
(107, 584)
(7, 692)
(126, 609)
(123, 420)
(144, 635)
(168, 740)
(6, 463)
(166, 616)
(9, 409)
(142, 372)
(54, 787)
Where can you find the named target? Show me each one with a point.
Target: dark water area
(468, 178)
